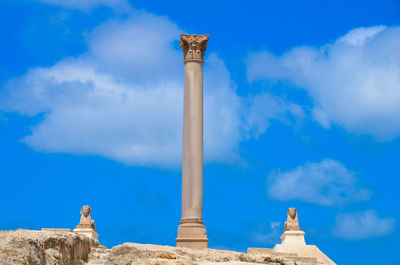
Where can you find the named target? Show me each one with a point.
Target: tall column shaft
(191, 231)
(192, 153)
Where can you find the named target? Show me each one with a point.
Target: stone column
(191, 231)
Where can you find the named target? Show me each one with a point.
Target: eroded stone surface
(135, 254)
(69, 248)
(43, 247)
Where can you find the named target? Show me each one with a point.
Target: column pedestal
(192, 234)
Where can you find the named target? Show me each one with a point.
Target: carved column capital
(194, 47)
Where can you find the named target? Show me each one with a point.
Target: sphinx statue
(292, 223)
(86, 220)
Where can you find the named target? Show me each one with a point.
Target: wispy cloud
(123, 99)
(270, 235)
(363, 225)
(354, 81)
(325, 183)
(265, 107)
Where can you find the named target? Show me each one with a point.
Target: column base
(192, 234)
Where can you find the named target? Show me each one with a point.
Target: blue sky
(301, 110)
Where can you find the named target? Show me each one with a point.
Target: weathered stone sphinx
(292, 223)
(292, 234)
(86, 219)
(293, 241)
(86, 226)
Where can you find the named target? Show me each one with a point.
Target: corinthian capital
(193, 47)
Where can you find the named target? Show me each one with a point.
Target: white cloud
(88, 4)
(122, 99)
(87, 112)
(354, 82)
(263, 108)
(356, 226)
(326, 183)
(140, 49)
(220, 100)
(271, 235)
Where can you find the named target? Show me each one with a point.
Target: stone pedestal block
(87, 232)
(192, 234)
(293, 237)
